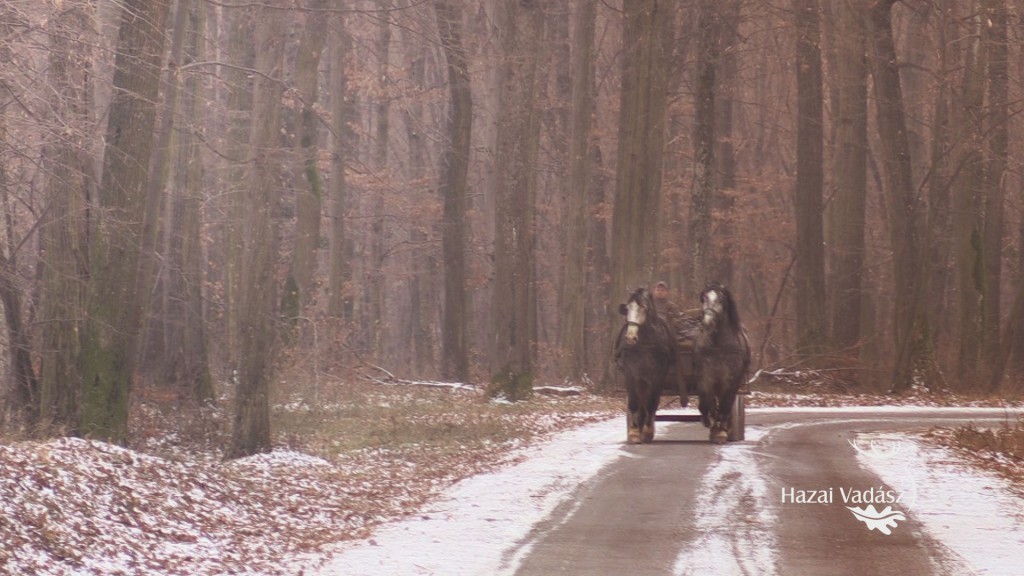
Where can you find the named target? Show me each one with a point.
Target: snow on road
(733, 488)
(486, 524)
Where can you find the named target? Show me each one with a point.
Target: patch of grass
(427, 420)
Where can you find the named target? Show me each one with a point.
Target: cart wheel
(738, 425)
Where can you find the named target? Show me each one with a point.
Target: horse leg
(633, 417)
(720, 426)
(706, 406)
(653, 398)
(725, 407)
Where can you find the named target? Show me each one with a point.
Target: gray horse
(721, 356)
(645, 353)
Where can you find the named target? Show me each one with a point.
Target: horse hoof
(719, 437)
(633, 437)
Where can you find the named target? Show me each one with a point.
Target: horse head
(717, 305)
(637, 309)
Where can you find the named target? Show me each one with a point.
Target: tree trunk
(151, 279)
(63, 263)
(998, 140)
(518, 129)
(727, 81)
(704, 181)
(373, 313)
(339, 304)
(572, 335)
(239, 54)
(108, 340)
(899, 189)
(808, 202)
(454, 195)
(308, 198)
(635, 221)
(26, 384)
(968, 205)
(251, 431)
(187, 361)
(849, 200)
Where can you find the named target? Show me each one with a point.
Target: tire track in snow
(735, 518)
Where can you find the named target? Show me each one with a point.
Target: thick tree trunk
(186, 362)
(151, 279)
(635, 243)
(968, 204)
(572, 335)
(808, 199)
(704, 181)
(251, 431)
(454, 195)
(846, 215)
(998, 143)
(899, 189)
(425, 284)
(63, 234)
(726, 94)
(108, 340)
(238, 24)
(518, 128)
(307, 198)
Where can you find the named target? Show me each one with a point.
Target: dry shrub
(1007, 440)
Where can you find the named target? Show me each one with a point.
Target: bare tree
(186, 335)
(846, 212)
(968, 202)
(899, 190)
(572, 333)
(454, 194)
(308, 198)
(512, 306)
(704, 181)
(63, 232)
(339, 269)
(997, 130)
(251, 430)
(109, 335)
(808, 198)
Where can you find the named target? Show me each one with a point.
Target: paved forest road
(683, 506)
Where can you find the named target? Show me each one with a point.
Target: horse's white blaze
(712, 307)
(635, 316)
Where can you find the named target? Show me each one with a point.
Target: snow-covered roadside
(973, 512)
(472, 527)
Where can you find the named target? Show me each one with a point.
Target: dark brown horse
(721, 356)
(645, 353)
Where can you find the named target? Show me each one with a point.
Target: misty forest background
(202, 197)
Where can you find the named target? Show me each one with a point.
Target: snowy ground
(976, 513)
(486, 514)
(77, 507)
